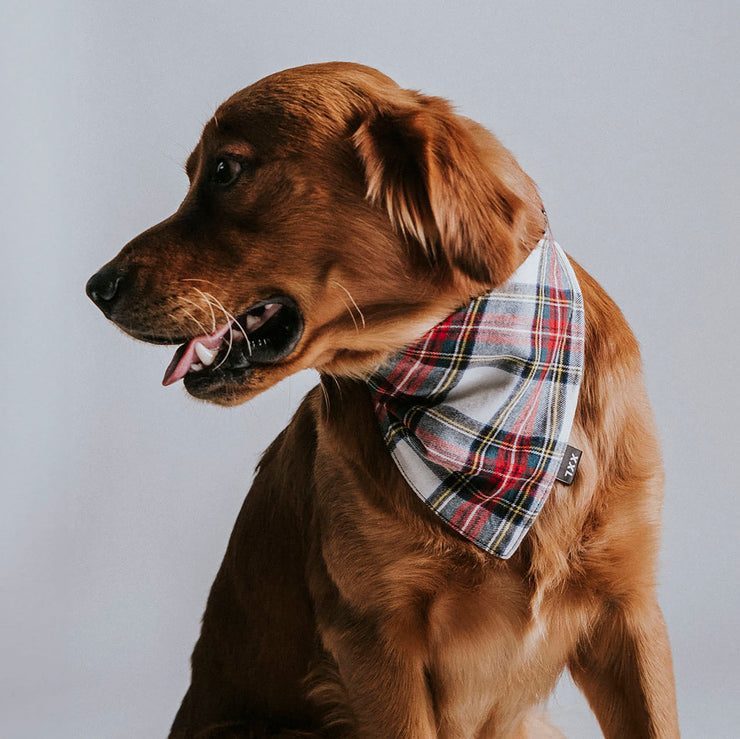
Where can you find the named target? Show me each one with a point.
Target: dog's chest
(471, 628)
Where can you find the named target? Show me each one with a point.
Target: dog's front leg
(385, 686)
(258, 640)
(624, 668)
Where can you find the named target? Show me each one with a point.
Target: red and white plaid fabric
(477, 412)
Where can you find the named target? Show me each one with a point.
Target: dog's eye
(226, 171)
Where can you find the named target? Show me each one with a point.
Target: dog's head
(332, 217)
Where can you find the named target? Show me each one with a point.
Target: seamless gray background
(118, 495)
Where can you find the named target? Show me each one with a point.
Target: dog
(332, 219)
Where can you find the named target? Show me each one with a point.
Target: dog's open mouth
(264, 334)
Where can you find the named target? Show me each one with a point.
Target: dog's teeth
(205, 355)
(252, 321)
(269, 306)
(196, 367)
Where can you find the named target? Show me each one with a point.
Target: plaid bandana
(477, 412)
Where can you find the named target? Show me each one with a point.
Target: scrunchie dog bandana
(477, 412)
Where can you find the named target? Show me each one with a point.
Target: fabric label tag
(569, 465)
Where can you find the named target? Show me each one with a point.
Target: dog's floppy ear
(436, 174)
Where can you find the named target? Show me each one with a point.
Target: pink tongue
(185, 356)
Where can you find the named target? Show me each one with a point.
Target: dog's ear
(447, 185)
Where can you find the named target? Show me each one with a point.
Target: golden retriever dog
(332, 219)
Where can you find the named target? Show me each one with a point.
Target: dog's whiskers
(351, 315)
(200, 279)
(339, 387)
(199, 307)
(325, 393)
(357, 307)
(192, 318)
(231, 318)
(219, 304)
(214, 303)
(210, 307)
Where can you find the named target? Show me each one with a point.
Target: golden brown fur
(343, 607)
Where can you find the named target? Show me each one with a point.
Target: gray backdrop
(118, 495)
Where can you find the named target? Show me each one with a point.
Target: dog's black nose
(103, 288)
